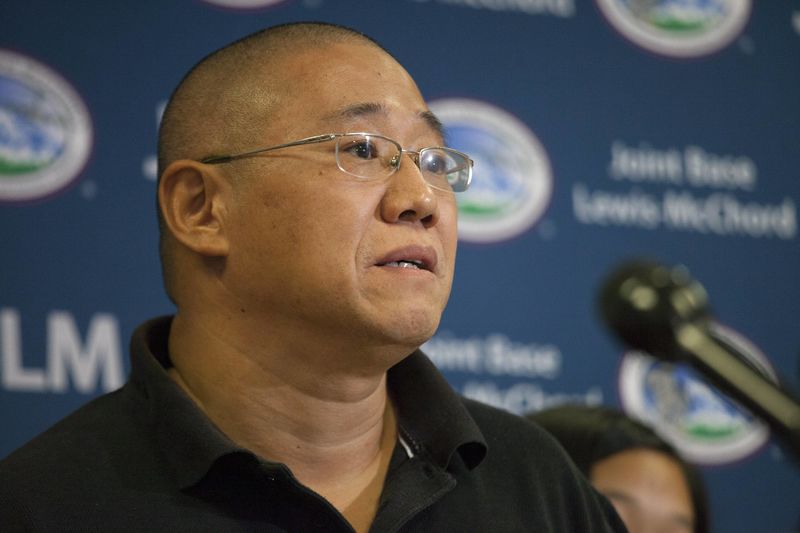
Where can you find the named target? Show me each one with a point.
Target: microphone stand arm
(764, 398)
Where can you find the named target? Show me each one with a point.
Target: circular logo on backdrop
(678, 28)
(45, 130)
(244, 4)
(706, 426)
(513, 182)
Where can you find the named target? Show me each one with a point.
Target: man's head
(285, 238)
(221, 99)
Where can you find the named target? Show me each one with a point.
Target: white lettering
(522, 398)
(496, 355)
(15, 376)
(150, 162)
(460, 355)
(723, 214)
(695, 166)
(559, 8)
(510, 358)
(704, 169)
(602, 208)
(65, 353)
(645, 163)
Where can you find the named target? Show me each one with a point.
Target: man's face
(314, 249)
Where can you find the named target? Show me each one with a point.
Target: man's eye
(434, 163)
(363, 149)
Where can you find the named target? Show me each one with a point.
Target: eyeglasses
(370, 156)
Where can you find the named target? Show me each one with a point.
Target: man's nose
(408, 196)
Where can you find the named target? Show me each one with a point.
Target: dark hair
(591, 434)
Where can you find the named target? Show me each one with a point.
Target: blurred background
(602, 130)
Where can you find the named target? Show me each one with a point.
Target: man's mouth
(413, 257)
(411, 263)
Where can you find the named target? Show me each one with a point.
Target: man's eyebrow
(358, 111)
(434, 123)
(374, 108)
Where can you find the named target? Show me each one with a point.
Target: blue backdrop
(602, 130)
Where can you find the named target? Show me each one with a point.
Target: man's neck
(336, 433)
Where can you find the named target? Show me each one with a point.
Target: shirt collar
(188, 439)
(431, 416)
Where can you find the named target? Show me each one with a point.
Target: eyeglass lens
(372, 156)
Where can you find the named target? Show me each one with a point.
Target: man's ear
(192, 198)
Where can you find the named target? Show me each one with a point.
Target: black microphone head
(644, 302)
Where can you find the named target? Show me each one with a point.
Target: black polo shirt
(145, 458)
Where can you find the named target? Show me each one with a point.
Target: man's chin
(410, 335)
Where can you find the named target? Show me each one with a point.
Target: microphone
(663, 311)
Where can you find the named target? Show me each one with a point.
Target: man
(307, 260)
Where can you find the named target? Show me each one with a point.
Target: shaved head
(229, 97)
(228, 93)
